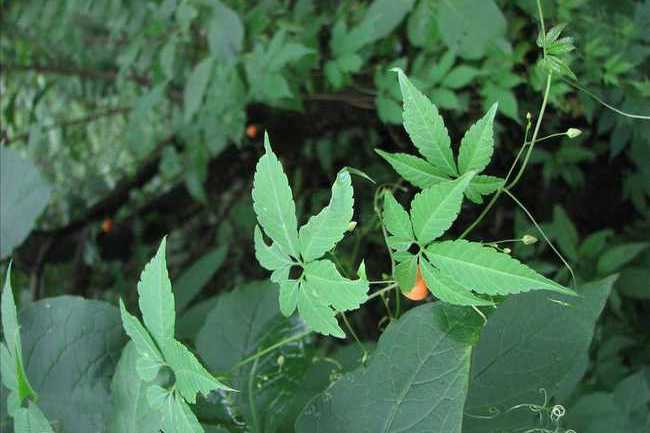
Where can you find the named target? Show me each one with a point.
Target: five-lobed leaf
(486, 270)
(273, 202)
(477, 144)
(426, 127)
(434, 209)
(271, 257)
(324, 230)
(339, 292)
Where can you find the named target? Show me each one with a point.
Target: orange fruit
(251, 131)
(419, 290)
(107, 225)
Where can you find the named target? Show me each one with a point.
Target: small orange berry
(251, 131)
(419, 290)
(107, 225)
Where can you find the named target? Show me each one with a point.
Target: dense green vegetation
(313, 217)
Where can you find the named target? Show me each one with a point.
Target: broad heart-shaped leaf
(25, 193)
(273, 202)
(447, 289)
(538, 343)
(237, 328)
(482, 185)
(30, 419)
(149, 357)
(416, 381)
(191, 377)
(477, 144)
(435, 209)
(131, 413)
(396, 219)
(156, 299)
(486, 270)
(270, 257)
(414, 170)
(71, 346)
(324, 230)
(426, 127)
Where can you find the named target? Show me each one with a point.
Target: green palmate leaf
(434, 209)
(426, 127)
(156, 299)
(396, 219)
(30, 419)
(149, 357)
(316, 313)
(71, 347)
(416, 381)
(191, 377)
(445, 288)
(482, 185)
(324, 230)
(486, 270)
(477, 144)
(406, 273)
(339, 292)
(415, 170)
(538, 343)
(131, 412)
(273, 202)
(195, 88)
(270, 257)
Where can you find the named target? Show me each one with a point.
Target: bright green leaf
(273, 202)
(339, 292)
(270, 257)
(477, 144)
(149, 357)
(426, 127)
(434, 209)
(486, 270)
(396, 219)
(445, 288)
(415, 170)
(482, 185)
(406, 273)
(30, 419)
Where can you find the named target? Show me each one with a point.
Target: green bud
(529, 239)
(573, 132)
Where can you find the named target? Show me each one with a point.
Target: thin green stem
(354, 334)
(251, 395)
(381, 291)
(271, 348)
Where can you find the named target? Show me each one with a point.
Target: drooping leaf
(24, 195)
(538, 343)
(324, 230)
(416, 381)
(434, 209)
(131, 412)
(396, 219)
(426, 127)
(71, 346)
(156, 299)
(273, 202)
(415, 170)
(477, 144)
(195, 88)
(447, 289)
(486, 270)
(192, 280)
